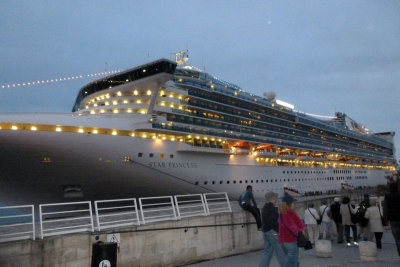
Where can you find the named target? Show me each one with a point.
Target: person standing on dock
(326, 223)
(270, 228)
(311, 217)
(289, 226)
(245, 200)
(391, 211)
(346, 210)
(373, 214)
(337, 218)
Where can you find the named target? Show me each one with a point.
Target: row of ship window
(355, 142)
(273, 180)
(291, 172)
(341, 171)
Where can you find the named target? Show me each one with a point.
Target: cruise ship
(168, 128)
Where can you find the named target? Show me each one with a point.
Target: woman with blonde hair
(289, 225)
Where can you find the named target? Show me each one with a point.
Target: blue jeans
(292, 252)
(396, 234)
(271, 244)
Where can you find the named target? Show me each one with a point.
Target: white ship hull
(39, 167)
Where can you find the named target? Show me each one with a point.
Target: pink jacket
(293, 222)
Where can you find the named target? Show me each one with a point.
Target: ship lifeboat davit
(240, 147)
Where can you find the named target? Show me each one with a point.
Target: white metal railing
(116, 213)
(17, 226)
(190, 205)
(156, 209)
(65, 218)
(217, 203)
(73, 217)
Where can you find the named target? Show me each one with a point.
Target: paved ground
(342, 256)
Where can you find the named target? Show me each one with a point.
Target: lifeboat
(265, 151)
(305, 157)
(288, 155)
(240, 147)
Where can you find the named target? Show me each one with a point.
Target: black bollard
(104, 254)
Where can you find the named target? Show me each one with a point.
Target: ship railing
(17, 223)
(190, 205)
(156, 209)
(65, 218)
(217, 203)
(110, 216)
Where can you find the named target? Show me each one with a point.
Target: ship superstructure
(160, 128)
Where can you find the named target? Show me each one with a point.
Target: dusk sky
(321, 56)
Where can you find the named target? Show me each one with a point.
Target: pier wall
(169, 243)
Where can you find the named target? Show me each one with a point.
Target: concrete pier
(170, 243)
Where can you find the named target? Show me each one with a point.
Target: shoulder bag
(319, 221)
(353, 217)
(302, 240)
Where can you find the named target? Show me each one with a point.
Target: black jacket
(391, 208)
(335, 211)
(269, 217)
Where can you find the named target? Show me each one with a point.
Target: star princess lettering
(183, 165)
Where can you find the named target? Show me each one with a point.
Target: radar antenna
(181, 57)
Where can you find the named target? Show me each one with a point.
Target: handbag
(383, 219)
(302, 240)
(353, 217)
(319, 221)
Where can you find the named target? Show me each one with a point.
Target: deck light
(114, 132)
(80, 131)
(14, 128)
(115, 111)
(102, 111)
(148, 92)
(58, 129)
(119, 92)
(135, 92)
(138, 101)
(33, 128)
(95, 131)
(115, 102)
(129, 110)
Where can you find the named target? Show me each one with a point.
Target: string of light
(47, 81)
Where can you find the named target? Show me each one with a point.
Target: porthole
(205, 182)
(171, 156)
(213, 182)
(151, 155)
(196, 183)
(240, 181)
(140, 155)
(234, 182)
(227, 182)
(220, 182)
(161, 156)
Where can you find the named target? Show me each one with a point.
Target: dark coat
(270, 217)
(335, 211)
(391, 208)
